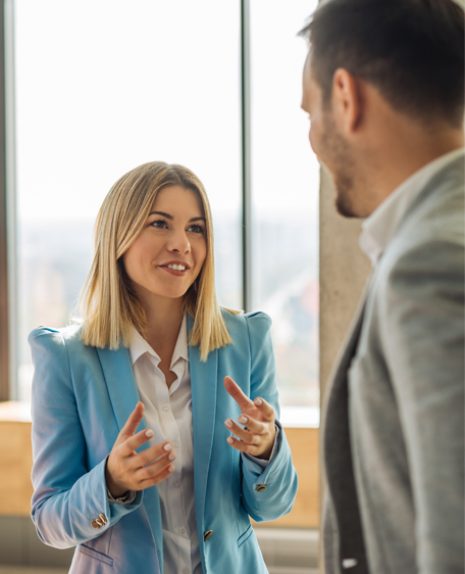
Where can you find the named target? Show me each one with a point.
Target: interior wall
(344, 270)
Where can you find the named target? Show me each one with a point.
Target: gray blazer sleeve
(422, 306)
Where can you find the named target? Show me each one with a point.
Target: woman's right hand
(127, 469)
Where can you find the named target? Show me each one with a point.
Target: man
(384, 88)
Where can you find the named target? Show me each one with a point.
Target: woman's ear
(347, 101)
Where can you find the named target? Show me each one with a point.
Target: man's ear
(347, 101)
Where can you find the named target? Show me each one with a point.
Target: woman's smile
(173, 243)
(175, 268)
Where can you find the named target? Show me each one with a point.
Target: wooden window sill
(16, 457)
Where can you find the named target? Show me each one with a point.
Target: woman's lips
(176, 269)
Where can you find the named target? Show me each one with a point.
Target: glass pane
(285, 182)
(103, 86)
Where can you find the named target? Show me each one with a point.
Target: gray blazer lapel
(345, 525)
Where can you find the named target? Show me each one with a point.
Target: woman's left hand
(256, 433)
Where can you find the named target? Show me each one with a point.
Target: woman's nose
(179, 243)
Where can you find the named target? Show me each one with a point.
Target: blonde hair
(109, 304)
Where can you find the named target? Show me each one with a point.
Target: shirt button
(260, 487)
(349, 563)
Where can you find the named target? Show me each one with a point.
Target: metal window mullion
(4, 322)
(246, 157)
(7, 205)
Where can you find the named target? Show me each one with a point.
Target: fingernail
(230, 440)
(243, 419)
(172, 457)
(258, 401)
(149, 433)
(228, 423)
(171, 467)
(167, 447)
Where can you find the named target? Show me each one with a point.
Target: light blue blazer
(82, 396)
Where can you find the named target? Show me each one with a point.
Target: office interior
(224, 113)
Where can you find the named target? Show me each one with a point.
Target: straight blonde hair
(110, 306)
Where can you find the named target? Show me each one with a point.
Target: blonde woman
(155, 435)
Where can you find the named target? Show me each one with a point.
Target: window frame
(7, 201)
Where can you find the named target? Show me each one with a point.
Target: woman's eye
(196, 228)
(158, 224)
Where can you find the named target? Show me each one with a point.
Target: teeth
(177, 267)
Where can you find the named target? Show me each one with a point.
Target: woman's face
(167, 256)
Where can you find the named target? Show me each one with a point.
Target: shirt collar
(379, 228)
(139, 346)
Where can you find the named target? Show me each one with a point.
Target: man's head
(375, 61)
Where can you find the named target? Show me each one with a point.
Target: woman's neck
(164, 318)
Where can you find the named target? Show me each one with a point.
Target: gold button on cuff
(100, 521)
(207, 534)
(261, 487)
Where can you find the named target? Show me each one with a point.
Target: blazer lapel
(121, 384)
(204, 390)
(337, 457)
(122, 390)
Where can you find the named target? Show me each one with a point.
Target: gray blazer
(393, 437)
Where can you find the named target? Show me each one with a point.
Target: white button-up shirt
(380, 227)
(168, 412)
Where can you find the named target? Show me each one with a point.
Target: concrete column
(344, 270)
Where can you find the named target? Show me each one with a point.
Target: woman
(154, 431)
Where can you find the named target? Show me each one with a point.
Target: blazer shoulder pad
(255, 324)
(57, 336)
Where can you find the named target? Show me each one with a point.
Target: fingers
(132, 423)
(152, 454)
(163, 474)
(139, 470)
(256, 439)
(266, 410)
(261, 447)
(156, 472)
(135, 441)
(251, 433)
(241, 445)
(237, 394)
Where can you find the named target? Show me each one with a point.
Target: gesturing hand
(127, 469)
(257, 437)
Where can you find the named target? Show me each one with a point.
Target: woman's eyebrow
(169, 216)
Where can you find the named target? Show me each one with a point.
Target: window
(102, 87)
(284, 202)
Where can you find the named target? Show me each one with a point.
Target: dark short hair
(411, 50)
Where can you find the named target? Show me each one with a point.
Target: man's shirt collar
(379, 228)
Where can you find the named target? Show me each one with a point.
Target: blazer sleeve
(268, 492)
(423, 336)
(69, 504)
